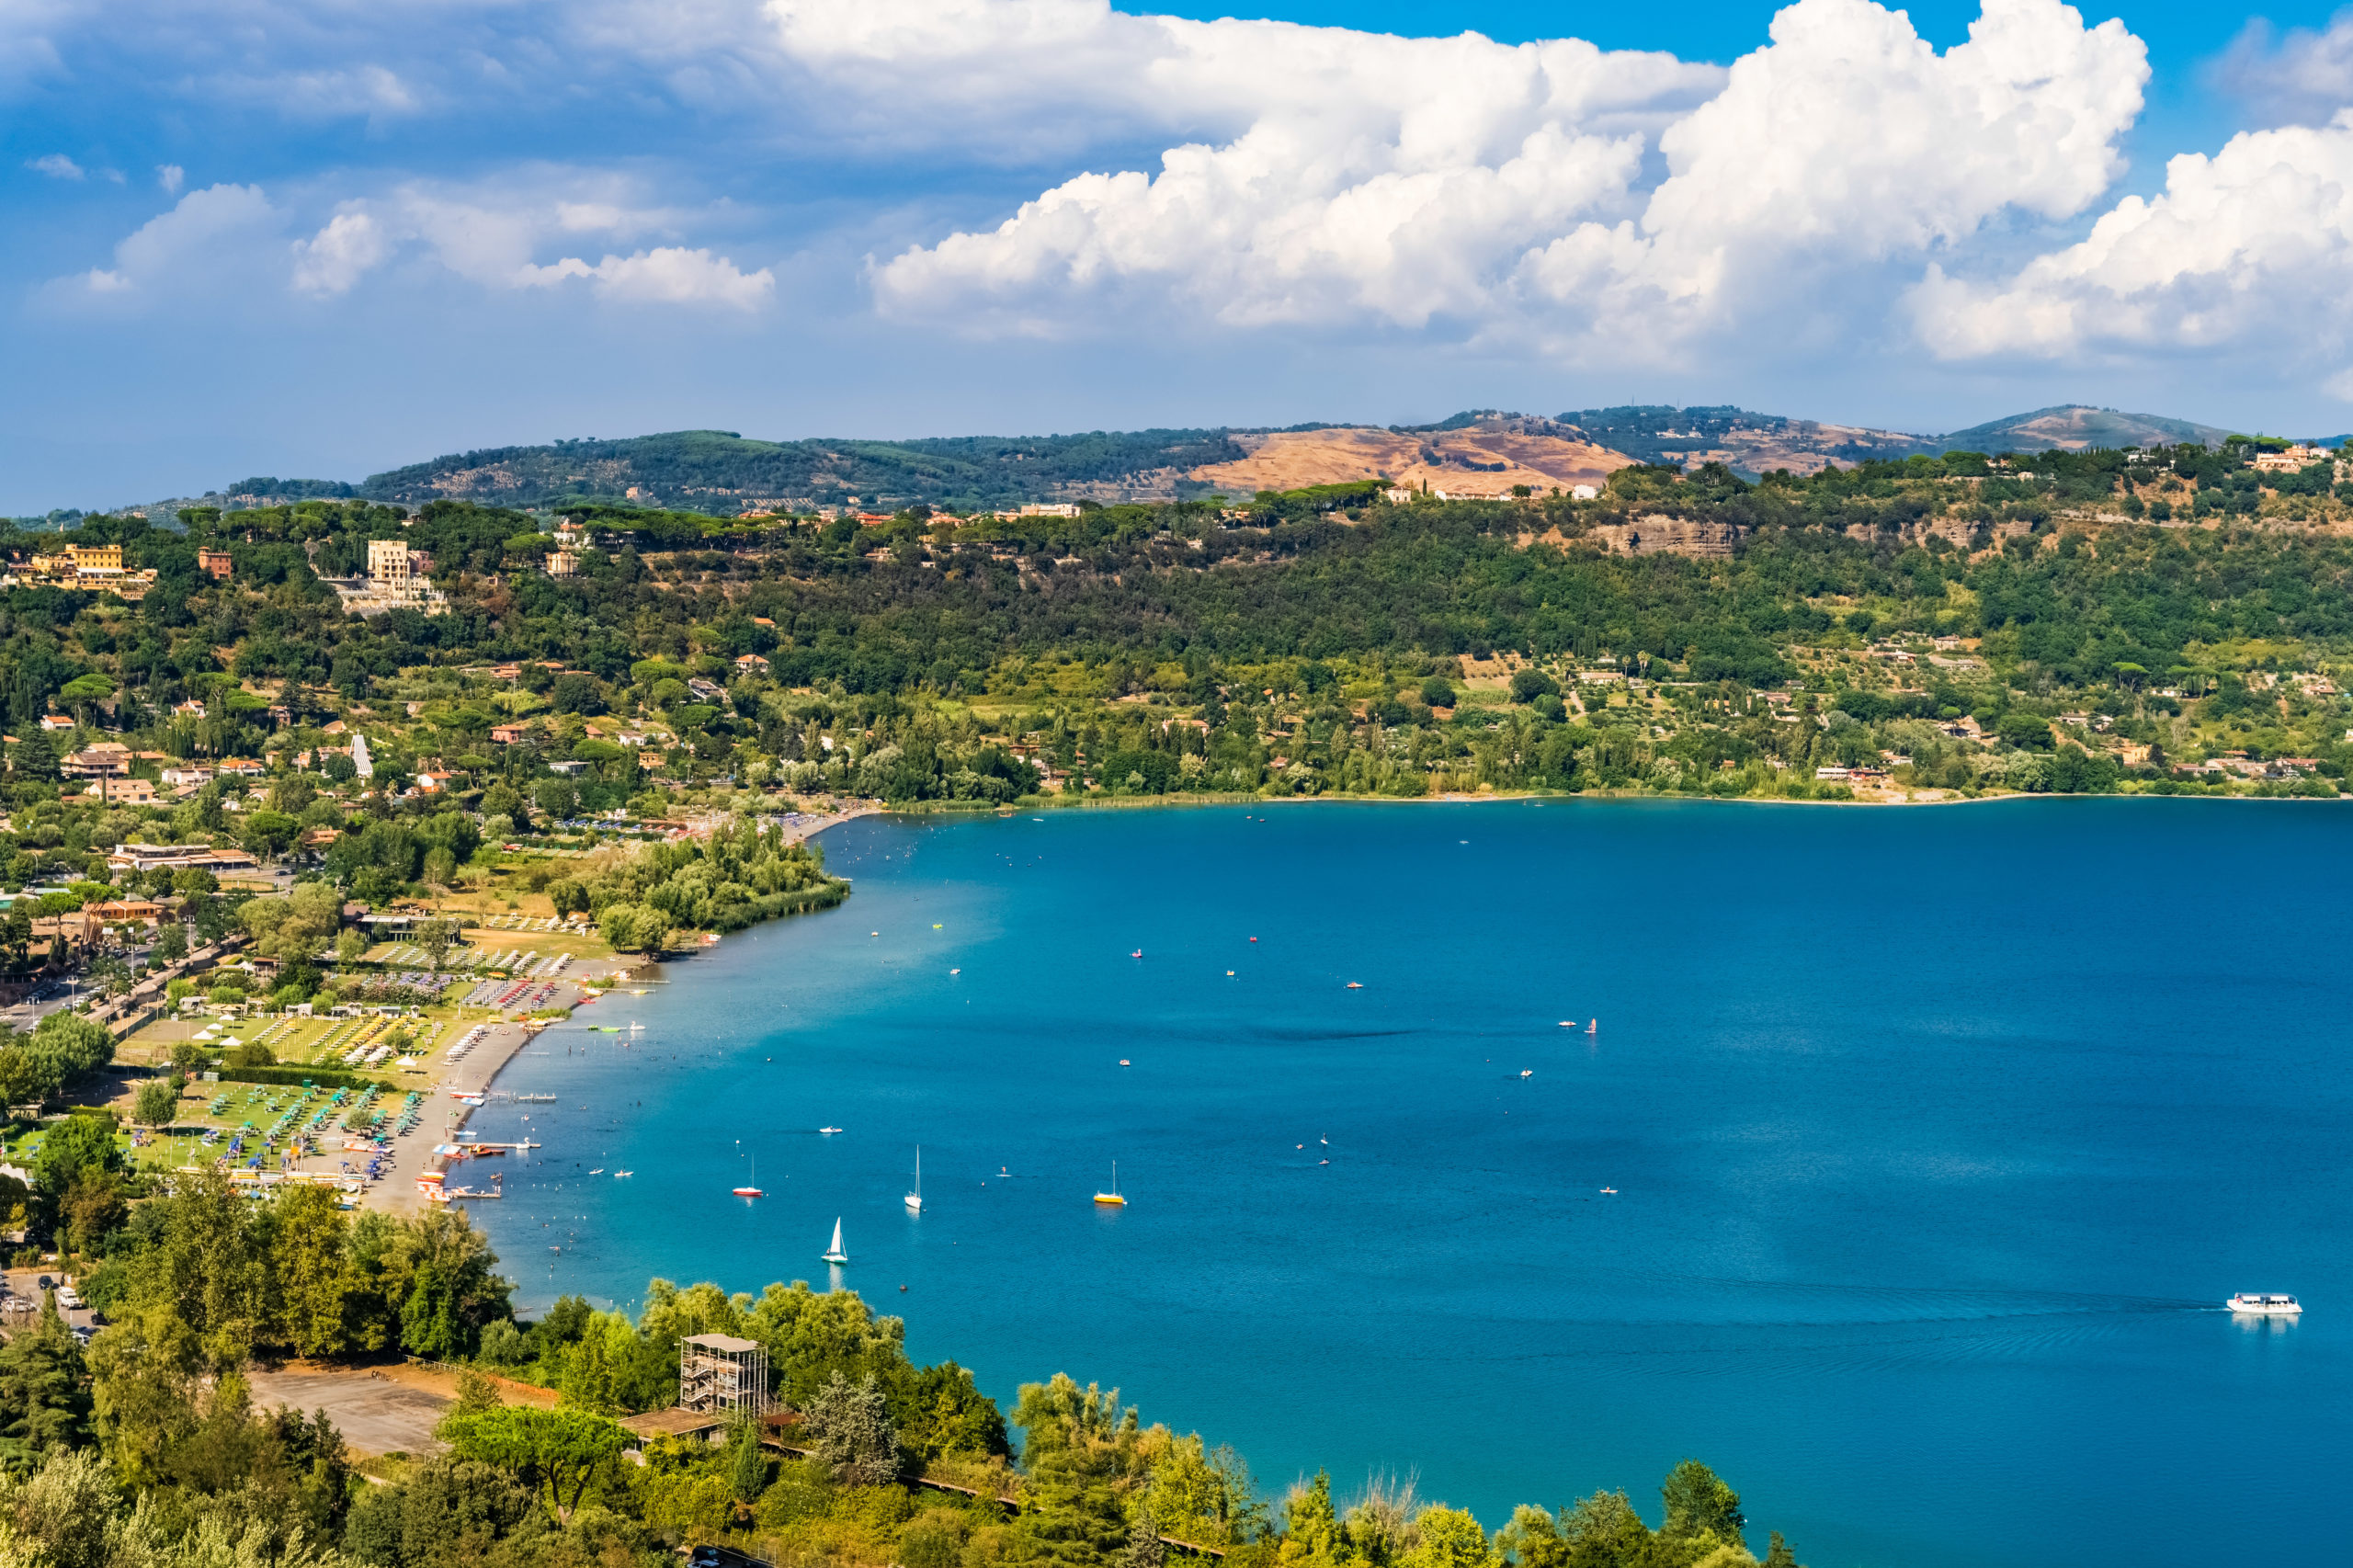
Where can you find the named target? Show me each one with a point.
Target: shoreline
(918, 809)
(397, 1193)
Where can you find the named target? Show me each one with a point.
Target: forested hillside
(720, 471)
(2164, 620)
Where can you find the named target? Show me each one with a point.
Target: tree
(78, 1146)
(554, 1453)
(436, 936)
(62, 1047)
(310, 1256)
(35, 759)
(1529, 685)
(576, 693)
(1450, 1538)
(506, 801)
(44, 1402)
(1698, 1503)
(1438, 693)
(1777, 1554)
(747, 1471)
(268, 833)
(296, 925)
(159, 1102)
(850, 1432)
(1145, 1548)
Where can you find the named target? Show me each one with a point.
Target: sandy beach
(412, 1155)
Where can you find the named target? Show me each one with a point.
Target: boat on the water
(829, 1131)
(2258, 1304)
(834, 1253)
(751, 1189)
(914, 1197)
(1112, 1197)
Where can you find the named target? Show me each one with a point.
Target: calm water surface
(1938, 1134)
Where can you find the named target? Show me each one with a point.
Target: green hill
(720, 471)
(2075, 428)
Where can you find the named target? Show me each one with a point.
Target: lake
(1937, 1137)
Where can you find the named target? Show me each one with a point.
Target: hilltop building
(398, 578)
(85, 568)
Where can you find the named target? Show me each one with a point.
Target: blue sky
(249, 236)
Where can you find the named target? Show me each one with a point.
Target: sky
(321, 240)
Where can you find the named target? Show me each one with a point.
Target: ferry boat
(1112, 1197)
(2258, 1304)
(834, 1253)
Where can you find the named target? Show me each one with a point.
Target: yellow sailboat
(1112, 1197)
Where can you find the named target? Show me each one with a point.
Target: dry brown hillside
(1487, 459)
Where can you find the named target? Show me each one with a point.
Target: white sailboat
(833, 1254)
(915, 1199)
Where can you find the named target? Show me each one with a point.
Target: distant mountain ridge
(1476, 453)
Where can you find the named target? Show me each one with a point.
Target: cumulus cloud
(208, 238)
(669, 275)
(2252, 244)
(2302, 78)
(491, 234)
(1410, 179)
(56, 165)
(335, 258)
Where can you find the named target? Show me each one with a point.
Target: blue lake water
(1938, 1136)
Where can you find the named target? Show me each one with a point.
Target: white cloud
(490, 232)
(335, 258)
(2301, 79)
(171, 176)
(2251, 245)
(669, 275)
(206, 243)
(56, 165)
(1392, 180)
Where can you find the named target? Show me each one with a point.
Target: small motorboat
(829, 1131)
(1528, 1071)
(1123, 1062)
(598, 1171)
(1610, 1190)
(2257, 1305)
(1137, 954)
(1356, 984)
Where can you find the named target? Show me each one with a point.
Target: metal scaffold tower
(718, 1372)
